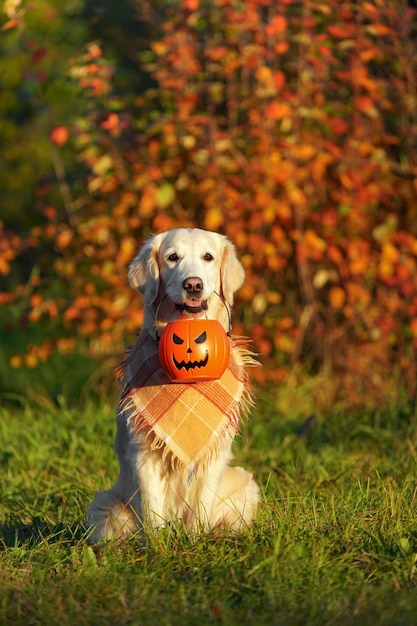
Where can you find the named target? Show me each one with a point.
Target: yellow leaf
(284, 343)
(385, 269)
(159, 48)
(264, 75)
(213, 219)
(102, 165)
(390, 253)
(31, 360)
(127, 249)
(15, 361)
(303, 151)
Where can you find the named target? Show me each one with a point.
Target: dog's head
(189, 268)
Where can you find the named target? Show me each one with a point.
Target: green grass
(335, 542)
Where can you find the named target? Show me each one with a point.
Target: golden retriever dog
(181, 273)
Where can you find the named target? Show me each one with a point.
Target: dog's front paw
(110, 518)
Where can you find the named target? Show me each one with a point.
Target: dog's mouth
(192, 306)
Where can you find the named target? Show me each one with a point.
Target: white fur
(149, 491)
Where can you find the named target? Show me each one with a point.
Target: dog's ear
(143, 272)
(231, 272)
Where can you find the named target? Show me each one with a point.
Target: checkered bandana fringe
(187, 421)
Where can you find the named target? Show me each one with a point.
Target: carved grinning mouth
(190, 365)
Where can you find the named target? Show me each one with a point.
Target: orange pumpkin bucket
(192, 350)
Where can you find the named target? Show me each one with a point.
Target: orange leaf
(64, 238)
(390, 253)
(283, 343)
(337, 297)
(15, 361)
(279, 80)
(285, 323)
(379, 30)
(59, 135)
(4, 267)
(35, 300)
(334, 254)
(361, 78)
(191, 5)
(214, 219)
(277, 111)
(281, 47)
(313, 245)
(337, 31)
(303, 151)
(10, 24)
(319, 165)
(264, 75)
(277, 26)
(366, 105)
(370, 8)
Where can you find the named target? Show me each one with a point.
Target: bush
(291, 127)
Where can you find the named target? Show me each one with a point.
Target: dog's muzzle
(193, 303)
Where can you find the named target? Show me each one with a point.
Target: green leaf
(165, 195)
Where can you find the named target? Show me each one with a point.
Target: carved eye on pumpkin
(194, 350)
(177, 339)
(201, 338)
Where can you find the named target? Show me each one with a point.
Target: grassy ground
(335, 542)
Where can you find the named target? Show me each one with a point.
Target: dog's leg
(200, 497)
(170, 496)
(110, 518)
(155, 477)
(236, 501)
(117, 512)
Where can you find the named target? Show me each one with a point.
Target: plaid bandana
(188, 421)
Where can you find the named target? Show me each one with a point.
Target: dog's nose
(193, 285)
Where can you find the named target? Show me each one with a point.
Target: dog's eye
(208, 257)
(173, 257)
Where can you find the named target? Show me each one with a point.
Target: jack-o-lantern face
(194, 350)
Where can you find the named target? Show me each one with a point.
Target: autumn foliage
(291, 127)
